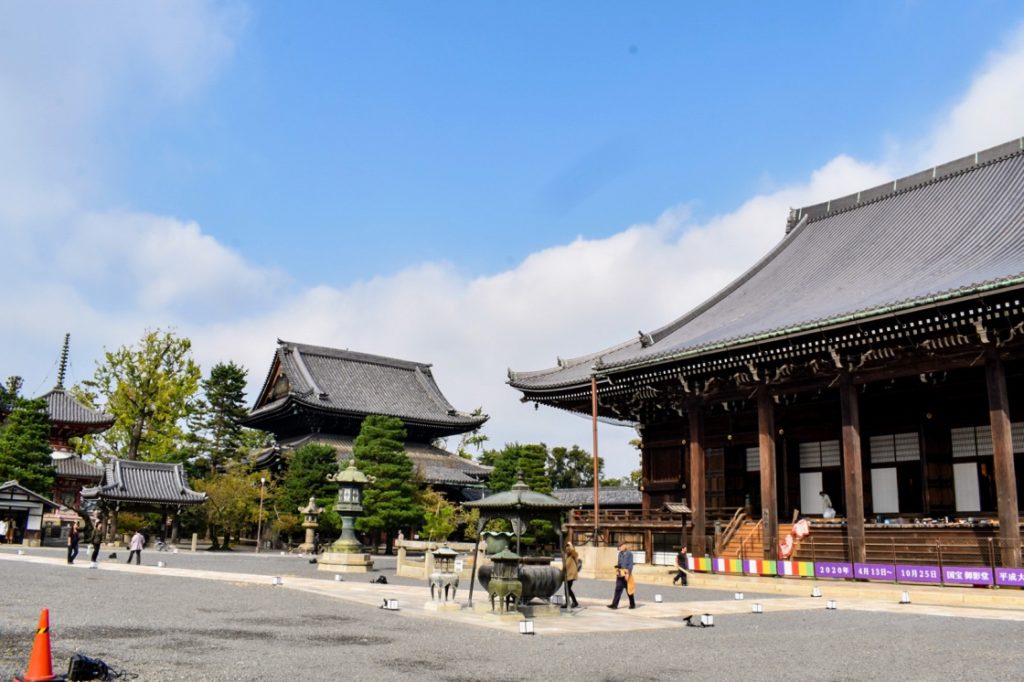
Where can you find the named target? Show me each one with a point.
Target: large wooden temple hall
(314, 394)
(875, 354)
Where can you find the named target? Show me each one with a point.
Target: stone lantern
(444, 576)
(347, 555)
(310, 514)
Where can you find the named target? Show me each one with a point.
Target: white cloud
(569, 299)
(989, 113)
(68, 66)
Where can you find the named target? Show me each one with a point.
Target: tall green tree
(515, 458)
(306, 477)
(232, 504)
(9, 393)
(24, 444)
(572, 467)
(391, 501)
(222, 408)
(151, 391)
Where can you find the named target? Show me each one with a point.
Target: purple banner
(831, 569)
(874, 571)
(918, 574)
(1010, 577)
(966, 575)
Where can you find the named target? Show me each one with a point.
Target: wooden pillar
(769, 491)
(853, 476)
(112, 526)
(698, 545)
(176, 526)
(1002, 451)
(597, 478)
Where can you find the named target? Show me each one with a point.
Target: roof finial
(520, 484)
(63, 363)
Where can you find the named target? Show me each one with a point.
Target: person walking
(680, 566)
(135, 547)
(623, 577)
(73, 542)
(571, 563)
(95, 540)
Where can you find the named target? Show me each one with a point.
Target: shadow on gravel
(191, 636)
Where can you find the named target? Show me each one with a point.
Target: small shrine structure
(143, 487)
(519, 506)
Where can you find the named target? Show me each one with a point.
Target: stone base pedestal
(442, 606)
(338, 562)
(540, 611)
(484, 606)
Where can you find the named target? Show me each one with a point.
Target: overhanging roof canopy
(350, 384)
(947, 233)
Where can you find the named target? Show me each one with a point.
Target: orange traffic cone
(40, 663)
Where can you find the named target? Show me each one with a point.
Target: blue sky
(477, 185)
(481, 132)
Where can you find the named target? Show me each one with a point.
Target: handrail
(737, 520)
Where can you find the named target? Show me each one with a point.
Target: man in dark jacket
(623, 574)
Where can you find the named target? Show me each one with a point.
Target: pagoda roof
(76, 467)
(948, 233)
(62, 408)
(144, 483)
(344, 382)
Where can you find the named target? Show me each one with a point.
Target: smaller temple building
(21, 514)
(143, 487)
(314, 394)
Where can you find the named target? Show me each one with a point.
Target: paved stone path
(594, 617)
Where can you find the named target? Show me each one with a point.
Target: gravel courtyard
(164, 627)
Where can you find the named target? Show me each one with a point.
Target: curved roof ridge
(426, 379)
(907, 183)
(565, 363)
(354, 356)
(662, 332)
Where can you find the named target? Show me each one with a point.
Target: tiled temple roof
(75, 467)
(346, 382)
(433, 464)
(615, 496)
(144, 482)
(947, 233)
(61, 408)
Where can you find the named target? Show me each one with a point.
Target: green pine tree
(391, 501)
(306, 477)
(224, 407)
(25, 446)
